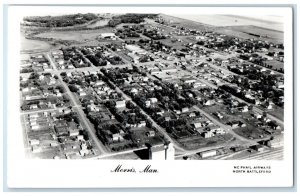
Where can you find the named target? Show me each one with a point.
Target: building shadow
(142, 154)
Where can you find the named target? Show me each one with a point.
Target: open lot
(250, 132)
(186, 23)
(81, 36)
(276, 65)
(174, 43)
(273, 34)
(99, 23)
(29, 45)
(277, 112)
(198, 142)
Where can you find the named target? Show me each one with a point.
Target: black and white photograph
(137, 96)
(152, 86)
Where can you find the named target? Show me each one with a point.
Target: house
(244, 109)
(142, 124)
(147, 104)
(208, 134)
(153, 100)
(257, 115)
(209, 153)
(84, 152)
(83, 146)
(107, 36)
(80, 138)
(258, 148)
(273, 125)
(167, 118)
(197, 125)
(169, 70)
(234, 124)
(219, 115)
(93, 108)
(189, 80)
(35, 127)
(192, 114)
(184, 110)
(36, 149)
(51, 81)
(257, 102)
(220, 132)
(121, 104)
(34, 142)
(53, 144)
(134, 91)
(73, 132)
(150, 133)
(268, 106)
(117, 137)
(208, 102)
(82, 93)
(280, 84)
(198, 84)
(67, 111)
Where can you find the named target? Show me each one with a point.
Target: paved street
(80, 112)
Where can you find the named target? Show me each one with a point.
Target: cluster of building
(35, 63)
(155, 33)
(58, 135)
(101, 56)
(42, 91)
(60, 61)
(160, 100)
(70, 58)
(129, 31)
(199, 86)
(119, 124)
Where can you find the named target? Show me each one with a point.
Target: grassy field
(34, 45)
(277, 112)
(273, 34)
(234, 33)
(186, 23)
(249, 132)
(177, 45)
(99, 23)
(276, 64)
(197, 142)
(81, 36)
(242, 30)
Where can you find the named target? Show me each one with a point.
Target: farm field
(278, 35)
(231, 20)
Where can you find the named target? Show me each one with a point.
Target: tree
(34, 75)
(63, 74)
(84, 133)
(73, 88)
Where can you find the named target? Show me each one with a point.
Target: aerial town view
(152, 87)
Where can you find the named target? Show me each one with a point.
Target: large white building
(121, 104)
(209, 153)
(135, 49)
(108, 36)
(161, 152)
